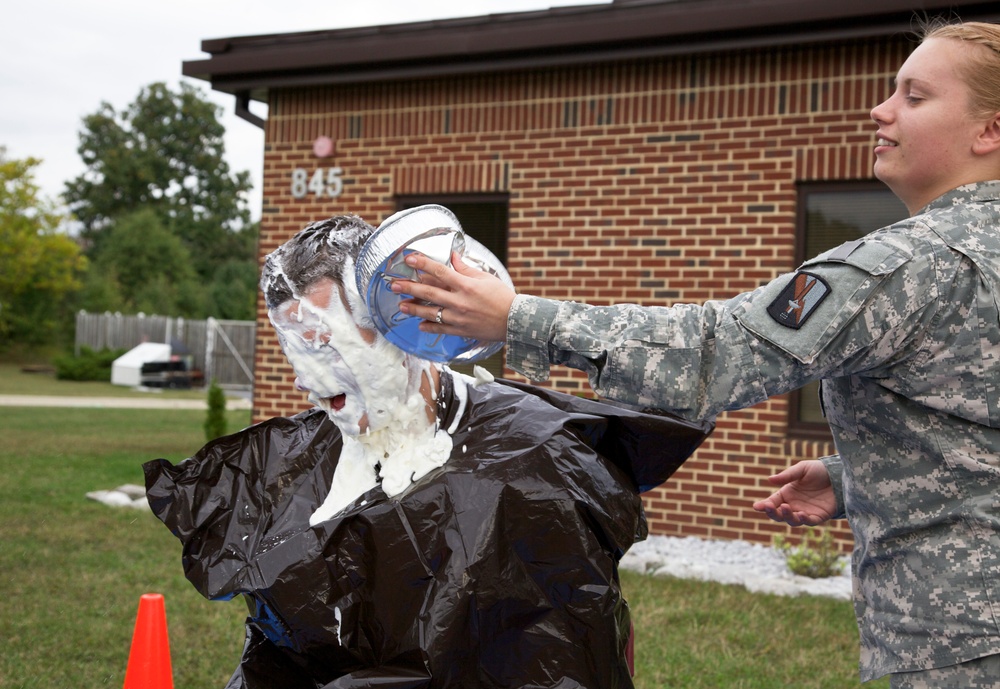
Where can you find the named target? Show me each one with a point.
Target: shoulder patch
(798, 300)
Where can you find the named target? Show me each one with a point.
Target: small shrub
(816, 556)
(215, 421)
(90, 365)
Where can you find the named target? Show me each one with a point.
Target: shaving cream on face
(356, 376)
(375, 394)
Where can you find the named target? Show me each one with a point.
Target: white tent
(127, 369)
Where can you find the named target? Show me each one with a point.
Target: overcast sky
(63, 58)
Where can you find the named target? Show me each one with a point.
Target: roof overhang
(250, 66)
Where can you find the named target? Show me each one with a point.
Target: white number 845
(324, 182)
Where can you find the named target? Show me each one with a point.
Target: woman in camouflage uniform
(903, 329)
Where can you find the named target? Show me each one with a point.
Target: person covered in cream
(417, 527)
(382, 400)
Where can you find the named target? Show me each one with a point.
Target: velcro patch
(798, 300)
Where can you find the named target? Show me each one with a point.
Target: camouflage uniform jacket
(903, 329)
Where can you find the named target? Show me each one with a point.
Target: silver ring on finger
(437, 318)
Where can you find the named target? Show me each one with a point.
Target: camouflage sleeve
(529, 323)
(835, 468)
(691, 360)
(845, 311)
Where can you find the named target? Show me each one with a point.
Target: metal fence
(223, 350)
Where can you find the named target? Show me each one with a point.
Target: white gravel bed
(759, 568)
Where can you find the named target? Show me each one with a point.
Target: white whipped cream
(375, 394)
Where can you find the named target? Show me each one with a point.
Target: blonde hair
(981, 72)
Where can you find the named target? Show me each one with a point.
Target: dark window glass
(829, 215)
(483, 217)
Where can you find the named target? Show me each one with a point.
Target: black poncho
(498, 569)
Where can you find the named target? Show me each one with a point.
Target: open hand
(805, 498)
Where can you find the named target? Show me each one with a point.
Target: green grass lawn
(15, 381)
(72, 571)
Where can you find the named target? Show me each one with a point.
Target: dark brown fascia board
(557, 37)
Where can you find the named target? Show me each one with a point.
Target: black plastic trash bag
(498, 569)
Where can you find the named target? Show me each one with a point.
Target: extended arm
(690, 360)
(697, 360)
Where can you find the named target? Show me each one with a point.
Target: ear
(988, 140)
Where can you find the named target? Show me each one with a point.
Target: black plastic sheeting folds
(499, 569)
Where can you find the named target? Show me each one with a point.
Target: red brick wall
(653, 182)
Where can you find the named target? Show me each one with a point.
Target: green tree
(142, 266)
(40, 267)
(215, 418)
(233, 291)
(164, 152)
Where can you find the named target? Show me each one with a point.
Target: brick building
(647, 151)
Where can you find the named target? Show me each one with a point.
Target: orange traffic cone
(149, 658)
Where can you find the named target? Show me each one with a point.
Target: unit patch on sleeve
(798, 300)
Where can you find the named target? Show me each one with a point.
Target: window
(830, 214)
(483, 217)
